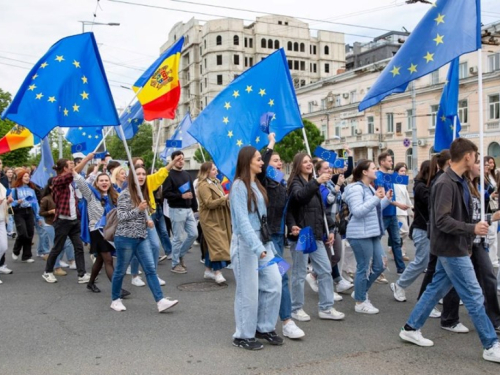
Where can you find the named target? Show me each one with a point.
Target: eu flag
(44, 170)
(67, 87)
(84, 140)
(448, 110)
(232, 119)
(180, 134)
(306, 242)
(326, 155)
(131, 119)
(449, 29)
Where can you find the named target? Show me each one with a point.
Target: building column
(370, 153)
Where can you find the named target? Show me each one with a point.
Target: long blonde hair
(115, 173)
(204, 171)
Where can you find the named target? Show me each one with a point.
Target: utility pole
(414, 139)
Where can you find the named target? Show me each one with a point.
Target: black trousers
(451, 302)
(25, 227)
(63, 229)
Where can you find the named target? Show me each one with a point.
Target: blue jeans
(323, 269)
(366, 250)
(67, 249)
(43, 239)
(392, 227)
(419, 264)
(154, 243)
(258, 293)
(286, 299)
(457, 272)
(11, 227)
(125, 248)
(161, 229)
(183, 221)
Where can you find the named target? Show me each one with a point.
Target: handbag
(108, 232)
(493, 205)
(265, 232)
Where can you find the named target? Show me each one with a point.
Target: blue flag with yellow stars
(44, 170)
(233, 119)
(131, 119)
(84, 140)
(449, 29)
(180, 140)
(448, 110)
(67, 87)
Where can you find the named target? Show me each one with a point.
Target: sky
(29, 27)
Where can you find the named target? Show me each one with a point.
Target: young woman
(215, 221)
(25, 206)
(258, 293)
(491, 181)
(119, 179)
(306, 209)
(365, 230)
(131, 239)
(10, 220)
(403, 197)
(4, 202)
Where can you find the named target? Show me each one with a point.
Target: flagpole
(454, 127)
(481, 123)
(315, 176)
(202, 154)
(59, 132)
(156, 148)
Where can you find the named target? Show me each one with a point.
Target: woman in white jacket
(402, 196)
(4, 202)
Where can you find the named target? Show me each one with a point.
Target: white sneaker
(337, 297)
(347, 278)
(164, 304)
(415, 337)
(92, 258)
(457, 328)
(117, 305)
(365, 308)
(230, 267)
(399, 293)
(49, 277)
(137, 281)
(162, 258)
(343, 285)
(83, 279)
(440, 301)
(14, 256)
(301, 316)
(313, 283)
(1, 282)
(5, 270)
(219, 278)
(435, 313)
(128, 272)
(72, 266)
(291, 330)
(63, 264)
(209, 275)
(162, 282)
(169, 257)
(331, 314)
(492, 354)
(30, 260)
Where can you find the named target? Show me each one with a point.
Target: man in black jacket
(452, 232)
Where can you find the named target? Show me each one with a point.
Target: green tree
(34, 159)
(293, 143)
(198, 156)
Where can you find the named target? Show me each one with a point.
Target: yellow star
(429, 57)
(435, 4)
(412, 68)
(44, 65)
(84, 79)
(36, 75)
(31, 87)
(239, 143)
(236, 93)
(129, 120)
(76, 64)
(395, 71)
(439, 19)
(225, 120)
(257, 140)
(65, 112)
(128, 110)
(52, 99)
(271, 102)
(249, 89)
(60, 58)
(39, 96)
(227, 105)
(274, 117)
(230, 133)
(262, 92)
(438, 39)
(136, 120)
(84, 95)
(75, 108)
(443, 118)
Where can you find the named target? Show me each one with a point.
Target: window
(302, 82)
(463, 71)
(327, 68)
(276, 44)
(251, 61)
(263, 43)
(246, 62)
(494, 150)
(206, 84)
(205, 44)
(280, 22)
(236, 59)
(219, 79)
(310, 106)
(218, 40)
(370, 125)
(201, 86)
(353, 97)
(236, 40)
(246, 42)
(290, 64)
(435, 77)
(296, 47)
(463, 112)
(409, 158)
(219, 59)
(323, 131)
(409, 119)
(296, 65)
(205, 61)
(310, 67)
(310, 49)
(250, 42)
(354, 125)
(494, 62)
(302, 47)
(200, 50)
(338, 101)
(434, 110)
(314, 50)
(302, 65)
(327, 50)
(323, 104)
(390, 122)
(289, 46)
(494, 103)
(314, 68)
(269, 43)
(337, 129)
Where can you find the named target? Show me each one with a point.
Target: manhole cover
(204, 286)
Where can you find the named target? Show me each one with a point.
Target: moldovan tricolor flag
(160, 85)
(17, 137)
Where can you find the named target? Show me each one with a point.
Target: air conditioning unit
(421, 142)
(345, 95)
(473, 70)
(330, 99)
(382, 145)
(358, 131)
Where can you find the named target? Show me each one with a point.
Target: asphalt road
(64, 329)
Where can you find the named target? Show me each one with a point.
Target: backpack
(343, 217)
(108, 232)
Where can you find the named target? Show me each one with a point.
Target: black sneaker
(124, 293)
(248, 344)
(497, 330)
(92, 287)
(271, 337)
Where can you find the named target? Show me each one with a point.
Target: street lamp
(97, 23)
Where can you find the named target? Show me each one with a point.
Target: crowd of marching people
(332, 220)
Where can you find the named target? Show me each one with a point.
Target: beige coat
(215, 219)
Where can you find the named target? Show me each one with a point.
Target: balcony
(363, 140)
(493, 125)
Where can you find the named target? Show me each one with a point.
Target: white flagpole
(481, 123)
(454, 127)
(202, 154)
(156, 148)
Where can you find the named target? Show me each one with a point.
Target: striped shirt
(131, 221)
(95, 209)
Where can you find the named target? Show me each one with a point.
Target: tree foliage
(198, 156)
(293, 143)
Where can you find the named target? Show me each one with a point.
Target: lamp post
(97, 23)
